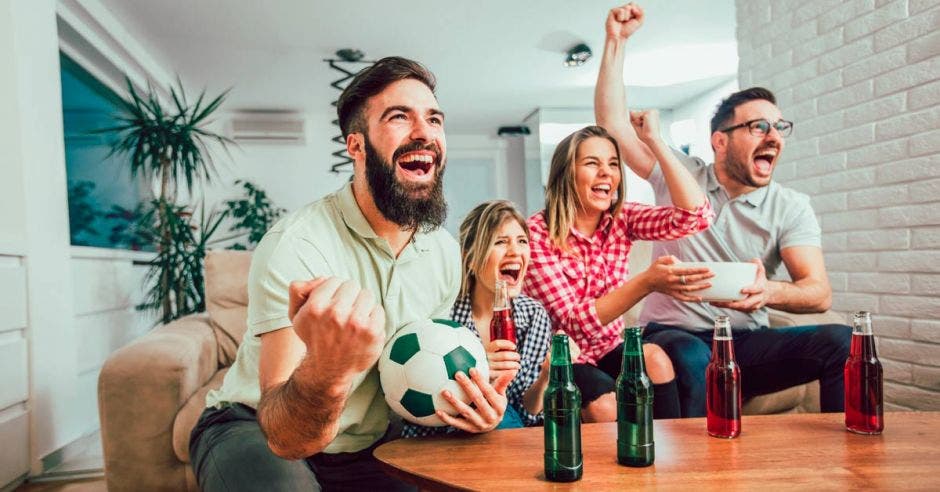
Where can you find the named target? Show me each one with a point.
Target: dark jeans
(771, 359)
(229, 452)
(595, 381)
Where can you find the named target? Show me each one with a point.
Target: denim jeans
(771, 359)
(229, 452)
(511, 419)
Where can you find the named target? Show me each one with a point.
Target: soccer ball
(421, 360)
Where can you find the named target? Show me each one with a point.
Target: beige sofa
(151, 392)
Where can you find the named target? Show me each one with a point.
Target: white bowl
(729, 279)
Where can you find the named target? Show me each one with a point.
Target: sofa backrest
(640, 258)
(227, 299)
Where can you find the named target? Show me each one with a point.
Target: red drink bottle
(864, 402)
(723, 385)
(502, 327)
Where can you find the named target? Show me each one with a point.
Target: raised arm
(610, 100)
(683, 190)
(306, 372)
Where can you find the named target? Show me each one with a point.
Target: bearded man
(301, 408)
(756, 220)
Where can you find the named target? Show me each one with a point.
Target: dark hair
(725, 112)
(371, 81)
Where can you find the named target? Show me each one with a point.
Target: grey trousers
(230, 453)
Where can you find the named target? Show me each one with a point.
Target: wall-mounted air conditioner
(275, 129)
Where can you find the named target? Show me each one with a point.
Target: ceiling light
(350, 54)
(577, 55)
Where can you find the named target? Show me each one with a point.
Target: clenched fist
(646, 124)
(342, 324)
(622, 22)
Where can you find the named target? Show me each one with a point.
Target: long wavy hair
(561, 197)
(476, 235)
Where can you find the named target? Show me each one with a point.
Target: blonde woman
(494, 242)
(579, 247)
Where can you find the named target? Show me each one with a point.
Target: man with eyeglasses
(757, 220)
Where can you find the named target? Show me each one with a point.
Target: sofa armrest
(141, 388)
(781, 318)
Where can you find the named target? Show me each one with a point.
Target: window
(103, 197)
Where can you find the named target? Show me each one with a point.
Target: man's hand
(646, 125)
(489, 402)
(668, 276)
(502, 358)
(622, 22)
(757, 293)
(341, 324)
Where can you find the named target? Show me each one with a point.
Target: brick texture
(864, 92)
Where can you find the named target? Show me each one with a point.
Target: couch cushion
(803, 398)
(227, 299)
(187, 417)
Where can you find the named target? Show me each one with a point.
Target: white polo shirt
(754, 225)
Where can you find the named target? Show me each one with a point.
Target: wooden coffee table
(806, 451)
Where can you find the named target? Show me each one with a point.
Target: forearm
(611, 113)
(802, 296)
(618, 301)
(300, 417)
(683, 189)
(532, 398)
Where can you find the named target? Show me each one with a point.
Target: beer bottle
(502, 327)
(635, 445)
(723, 385)
(864, 402)
(562, 409)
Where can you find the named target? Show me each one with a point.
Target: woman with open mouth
(494, 243)
(580, 243)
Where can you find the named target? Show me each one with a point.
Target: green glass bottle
(562, 408)
(635, 445)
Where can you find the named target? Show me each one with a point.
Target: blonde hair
(476, 237)
(561, 197)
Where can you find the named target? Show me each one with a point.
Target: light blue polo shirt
(754, 225)
(332, 237)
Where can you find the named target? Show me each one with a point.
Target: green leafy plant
(254, 214)
(171, 146)
(180, 260)
(132, 229)
(82, 212)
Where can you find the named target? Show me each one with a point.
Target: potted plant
(172, 146)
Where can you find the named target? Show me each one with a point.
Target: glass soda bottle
(864, 402)
(634, 405)
(723, 385)
(502, 327)
(562, 407)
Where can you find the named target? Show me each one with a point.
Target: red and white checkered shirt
(568, 284)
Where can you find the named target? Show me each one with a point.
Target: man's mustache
(416, 146)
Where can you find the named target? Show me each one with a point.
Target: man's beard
(420, 207)
(740, 169)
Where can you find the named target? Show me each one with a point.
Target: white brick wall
(861, 80)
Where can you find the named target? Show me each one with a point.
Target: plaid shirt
(568, 284)
(533, 334)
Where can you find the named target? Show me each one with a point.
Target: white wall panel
(12, 294)
(14, 434)
(14, 370)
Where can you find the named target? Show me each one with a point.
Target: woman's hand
(646, 125)
(502, 358)
(668, 276)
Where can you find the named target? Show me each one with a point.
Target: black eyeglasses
(761, 127)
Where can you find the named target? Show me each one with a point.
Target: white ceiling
(495, 61)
